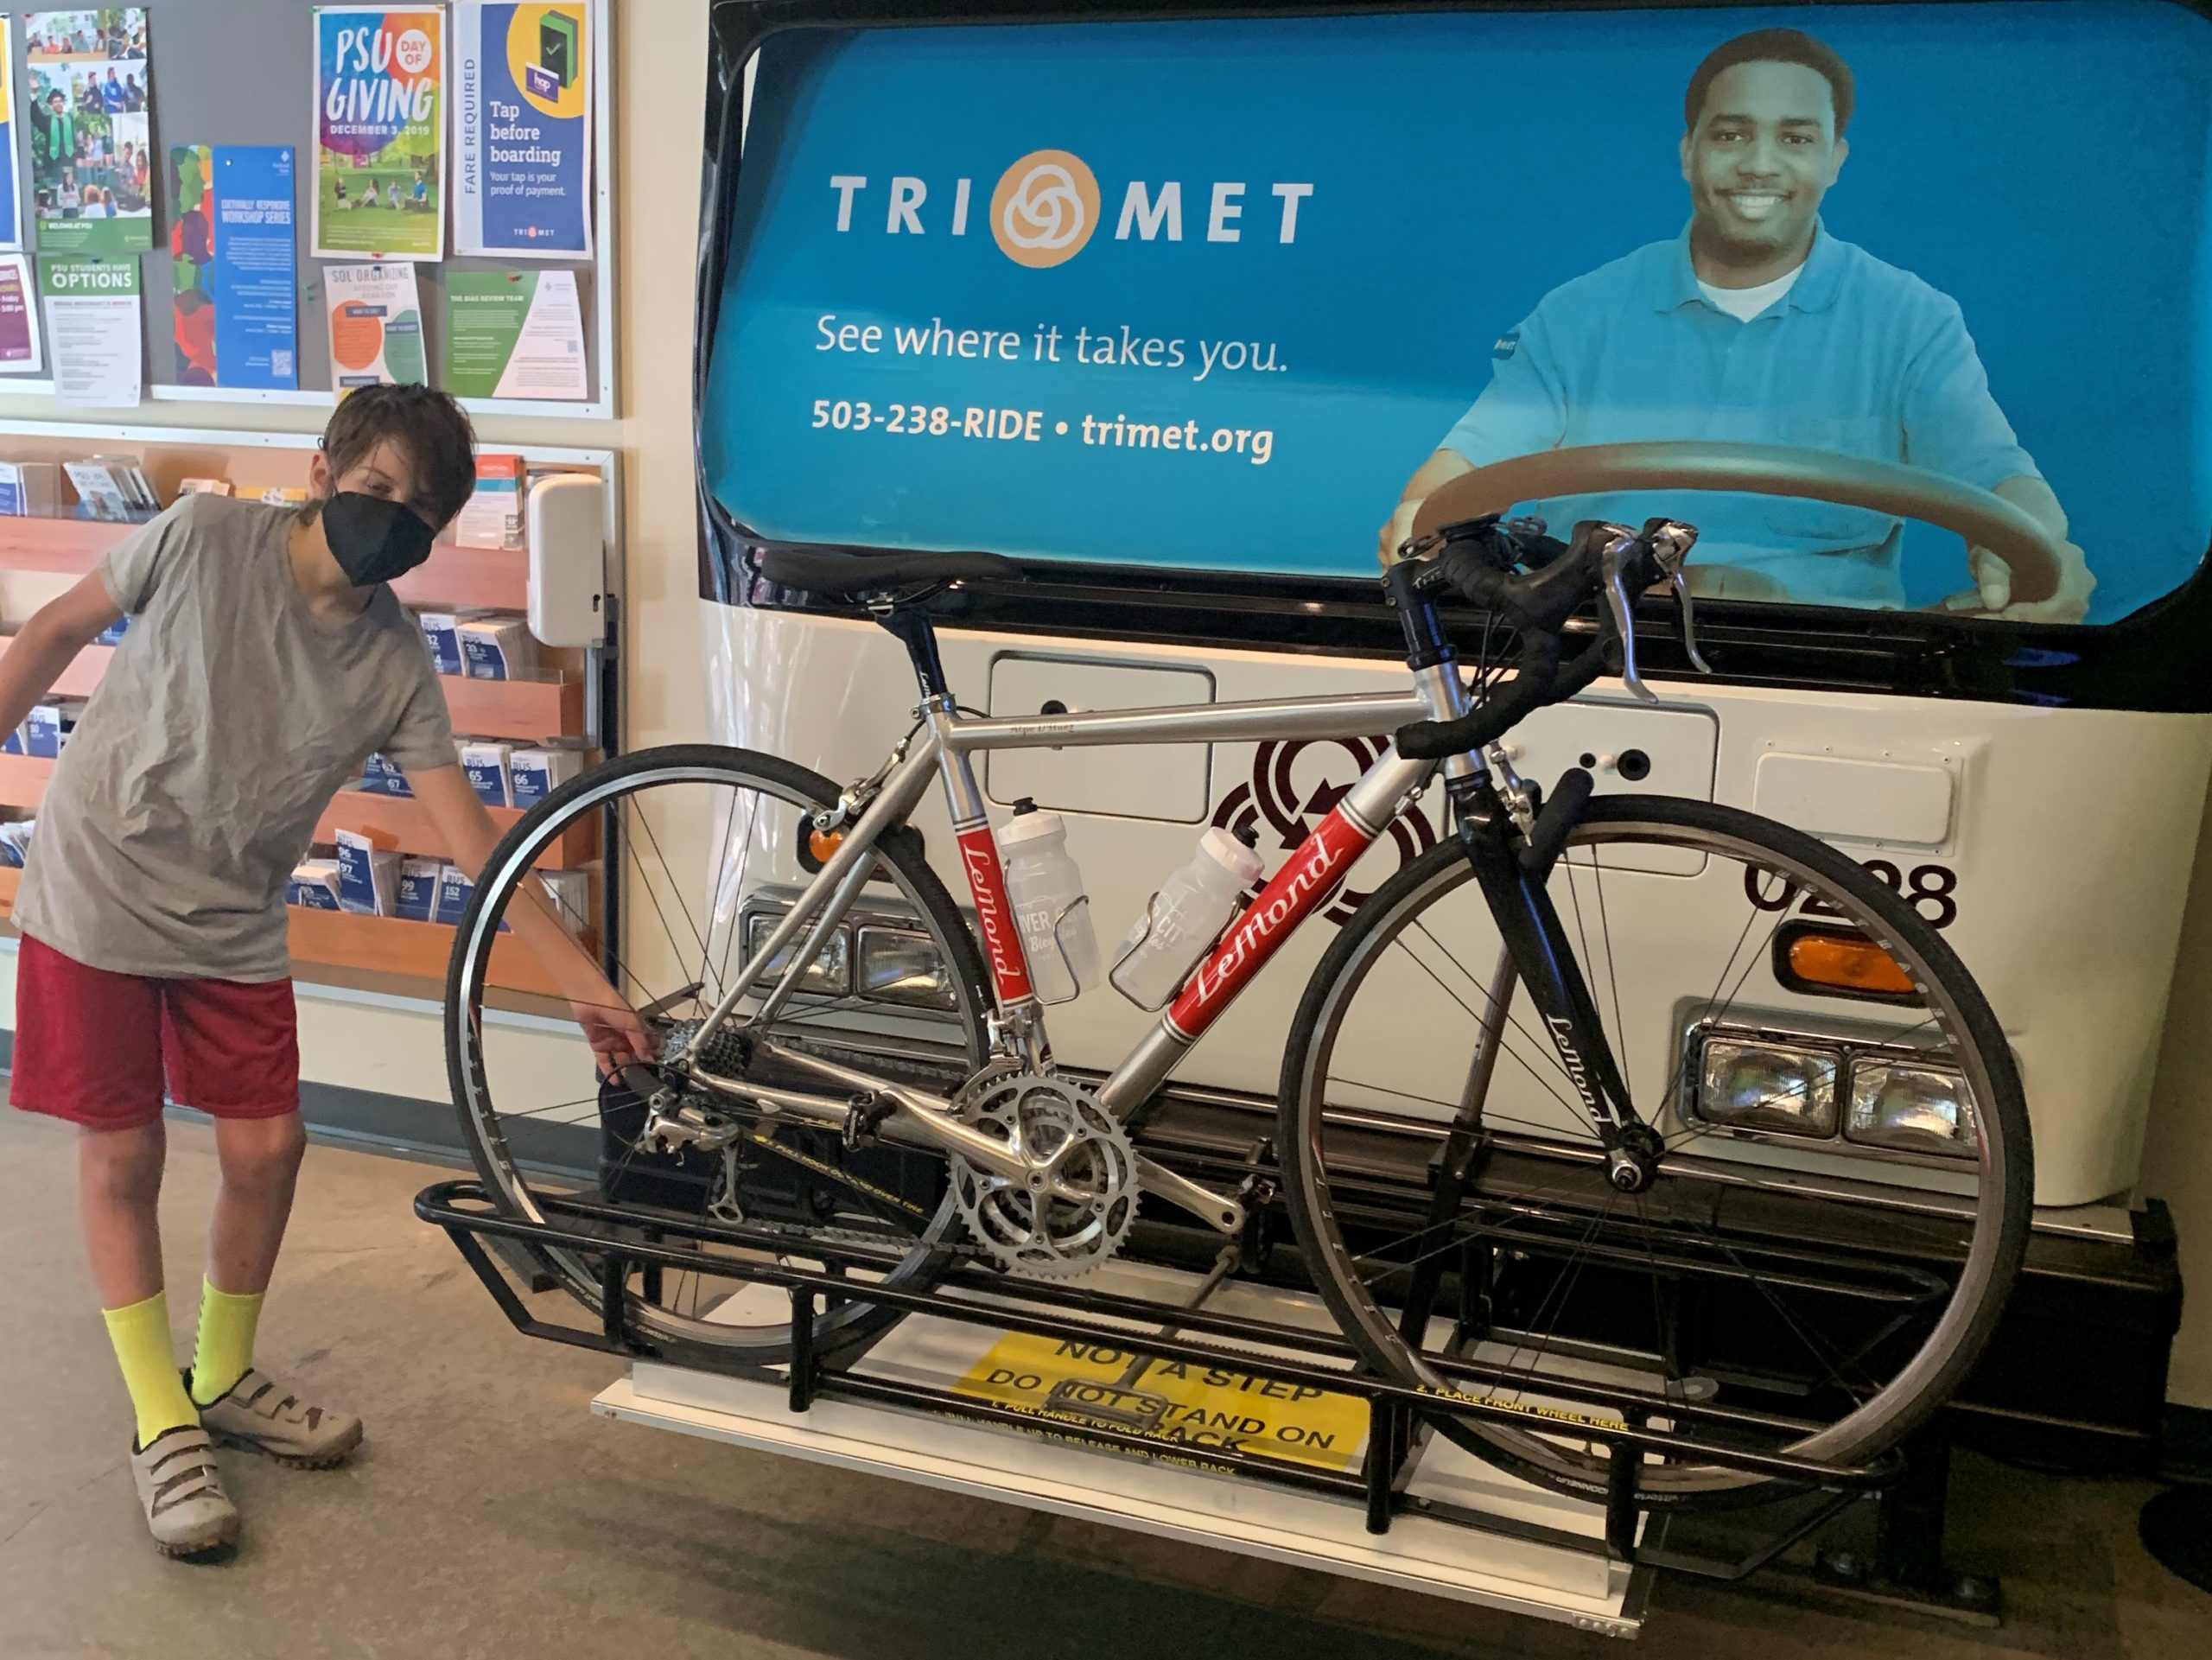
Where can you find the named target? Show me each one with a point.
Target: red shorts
(91, 1046)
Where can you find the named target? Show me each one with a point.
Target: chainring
(1075, 1210)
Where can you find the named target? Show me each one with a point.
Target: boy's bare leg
(119, 1191)
(260, 1159)
(241, 1405)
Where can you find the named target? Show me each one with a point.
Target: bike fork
(1558, 991)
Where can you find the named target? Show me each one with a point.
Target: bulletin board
(242, 71)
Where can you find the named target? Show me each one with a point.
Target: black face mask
(373, 539)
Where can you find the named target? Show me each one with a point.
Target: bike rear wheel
(1819, 1244)
(714, 844)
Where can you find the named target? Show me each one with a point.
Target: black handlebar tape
(1562, 811)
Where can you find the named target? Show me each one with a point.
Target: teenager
(267, 658)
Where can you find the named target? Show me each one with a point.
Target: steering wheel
(1984, 519)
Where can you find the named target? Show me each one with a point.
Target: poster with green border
(88, 105)
(513, 333)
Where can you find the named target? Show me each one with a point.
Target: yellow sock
(225, 1346)
(141, 1336)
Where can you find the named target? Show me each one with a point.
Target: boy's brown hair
(427, 425)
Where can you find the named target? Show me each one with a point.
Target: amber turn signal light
(1847, 963)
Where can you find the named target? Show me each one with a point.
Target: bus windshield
(1236, 297)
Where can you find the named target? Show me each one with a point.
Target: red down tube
(979, 857)
(1310, 876)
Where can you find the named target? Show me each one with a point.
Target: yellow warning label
(1175, 1402)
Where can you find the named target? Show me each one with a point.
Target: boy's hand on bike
(617, 1036)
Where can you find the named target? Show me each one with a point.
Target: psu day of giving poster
(523, 93)
(379, 112)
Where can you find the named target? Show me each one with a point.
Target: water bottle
(1050, 906)
(1185, 917)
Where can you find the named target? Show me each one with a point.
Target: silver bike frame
(945, 749)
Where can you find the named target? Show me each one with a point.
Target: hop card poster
(379, 106)
(235, 273)
(522, 123)
(89, 106)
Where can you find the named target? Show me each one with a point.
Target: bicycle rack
(1642, 1425)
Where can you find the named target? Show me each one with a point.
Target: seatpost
(911, 625)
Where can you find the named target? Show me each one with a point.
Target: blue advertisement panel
(236, 269)
(1237, 296)
(257, 268)
(523, 125)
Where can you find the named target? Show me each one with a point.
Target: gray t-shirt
(229, 716)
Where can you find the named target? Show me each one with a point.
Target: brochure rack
(38, 556)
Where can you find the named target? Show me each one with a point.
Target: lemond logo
(1045, 209)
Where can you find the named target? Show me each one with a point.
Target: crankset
(1075, 1201)
(1028, 1149)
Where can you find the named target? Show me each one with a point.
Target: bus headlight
(831, 970)
(1750, 1083)
(899, 966)
(1911, 1107)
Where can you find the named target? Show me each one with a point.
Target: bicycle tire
(839, 1333)
(2004, 1199)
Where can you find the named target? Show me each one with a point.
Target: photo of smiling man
(1755, 325)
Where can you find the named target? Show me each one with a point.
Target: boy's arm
(48, 643)
(617, 1034)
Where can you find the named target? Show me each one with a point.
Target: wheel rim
(1570, 1188)
(743, 824)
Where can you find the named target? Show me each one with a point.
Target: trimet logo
(1048, 206)
(1045, 209)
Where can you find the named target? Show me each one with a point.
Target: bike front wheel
(1841, 1191)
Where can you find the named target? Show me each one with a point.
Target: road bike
(1684, 1097)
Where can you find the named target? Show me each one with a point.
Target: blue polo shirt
(1859, 358)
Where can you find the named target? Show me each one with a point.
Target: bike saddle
(829, 571)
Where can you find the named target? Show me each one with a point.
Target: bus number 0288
(1928, 888)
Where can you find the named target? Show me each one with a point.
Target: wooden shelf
(68, 547)
(24, 780)
(515, 709)
(488, 708)
(406, 819)
(412, 950)
(416, 951)
(80, 678)
(452, 578)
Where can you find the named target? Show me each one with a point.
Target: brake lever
(1670, 540)
(1613, 568)
(1681, 586)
